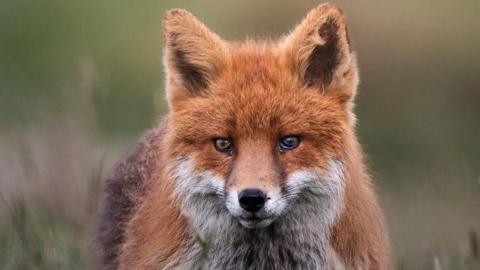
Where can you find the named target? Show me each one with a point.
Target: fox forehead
(255, 95)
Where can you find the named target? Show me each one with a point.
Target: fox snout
(254, 207)
(252, 199)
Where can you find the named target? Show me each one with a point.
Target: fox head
(259, 130)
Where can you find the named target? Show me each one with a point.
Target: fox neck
(360, 236)
(297, 239)
(278, 246)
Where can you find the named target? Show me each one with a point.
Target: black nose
(252, 200)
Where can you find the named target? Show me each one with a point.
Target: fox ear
(193, 54)
(318, 51)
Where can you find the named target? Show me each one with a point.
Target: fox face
(259, 131)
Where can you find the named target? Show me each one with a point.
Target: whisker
(212, 188)
(305, 183)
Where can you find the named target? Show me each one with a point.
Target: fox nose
(252, 200)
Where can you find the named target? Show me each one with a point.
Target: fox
(257, 164)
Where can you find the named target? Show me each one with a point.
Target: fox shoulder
(124, 191)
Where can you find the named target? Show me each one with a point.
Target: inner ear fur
(193, 54)
(318, 52)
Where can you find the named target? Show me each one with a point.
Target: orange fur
(254, 92)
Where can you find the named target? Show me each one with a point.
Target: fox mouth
(255, 222)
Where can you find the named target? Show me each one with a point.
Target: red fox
(256, 166)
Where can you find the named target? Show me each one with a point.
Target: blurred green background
(80, 80)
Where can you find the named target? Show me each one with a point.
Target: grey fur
(298, 239)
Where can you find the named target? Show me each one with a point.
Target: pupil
(289, 143)
(223, 144)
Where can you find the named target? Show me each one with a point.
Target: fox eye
(223, 145)
(288, 143)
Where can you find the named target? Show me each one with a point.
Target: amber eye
(288, 143)
(223, 145)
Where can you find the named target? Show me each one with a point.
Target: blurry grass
(35, 239)
(50, 176)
